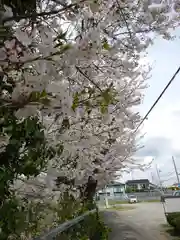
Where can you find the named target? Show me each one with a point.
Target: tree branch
(88, 78)
(42, 14)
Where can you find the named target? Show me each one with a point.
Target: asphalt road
(145, 222)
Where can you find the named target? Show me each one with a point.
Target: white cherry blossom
(79, 70)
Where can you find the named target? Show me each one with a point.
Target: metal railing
(52, 234)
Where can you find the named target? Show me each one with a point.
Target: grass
(111, 202)
(114, 202)
(122, 208)
(152, 200)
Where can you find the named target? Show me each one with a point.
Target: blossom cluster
(77, 67)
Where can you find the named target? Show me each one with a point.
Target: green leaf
(40, 97)
(65, 47)
(106, 46)
(75, 101)
(107, 96)
(103, 108)
(34, 96)
(43, 94)
(8, 129)
(45, 101)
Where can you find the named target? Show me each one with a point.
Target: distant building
(175, 186)
(139, 184)
(112, 190)
(118, 190)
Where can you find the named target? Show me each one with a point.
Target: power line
(157, 100)
(154, 104)
(167, 179)
(168, 174)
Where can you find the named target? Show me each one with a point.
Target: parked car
(176, 193)
(133, 199)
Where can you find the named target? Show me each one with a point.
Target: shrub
(174, 220)
(30, 219)
(91, 228)
(177, 223)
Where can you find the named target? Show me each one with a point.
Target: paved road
(143, 223)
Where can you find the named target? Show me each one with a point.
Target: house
(175, 186)
(113, 189)
(139, 184)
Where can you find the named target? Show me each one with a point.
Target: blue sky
(162, 138)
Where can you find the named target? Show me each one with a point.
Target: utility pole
(176, 171)
(152, 177)
(159, 178)
(106, 198)
(132, 174)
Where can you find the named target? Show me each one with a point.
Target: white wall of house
(112, 190)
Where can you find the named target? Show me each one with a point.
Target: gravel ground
(142, 223)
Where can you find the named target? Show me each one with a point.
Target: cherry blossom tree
(75, 66)
(71, 72)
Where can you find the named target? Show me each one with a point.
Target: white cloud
(163, 122)
(162, 128)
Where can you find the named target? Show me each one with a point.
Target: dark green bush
(177, 223)
(92, 227)
(174, 220)
(67, 208)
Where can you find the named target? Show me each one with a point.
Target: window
(118, 189)
(104, 194)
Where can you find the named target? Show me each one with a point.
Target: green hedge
(174, 220)
(30, 219)
(91, 228)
